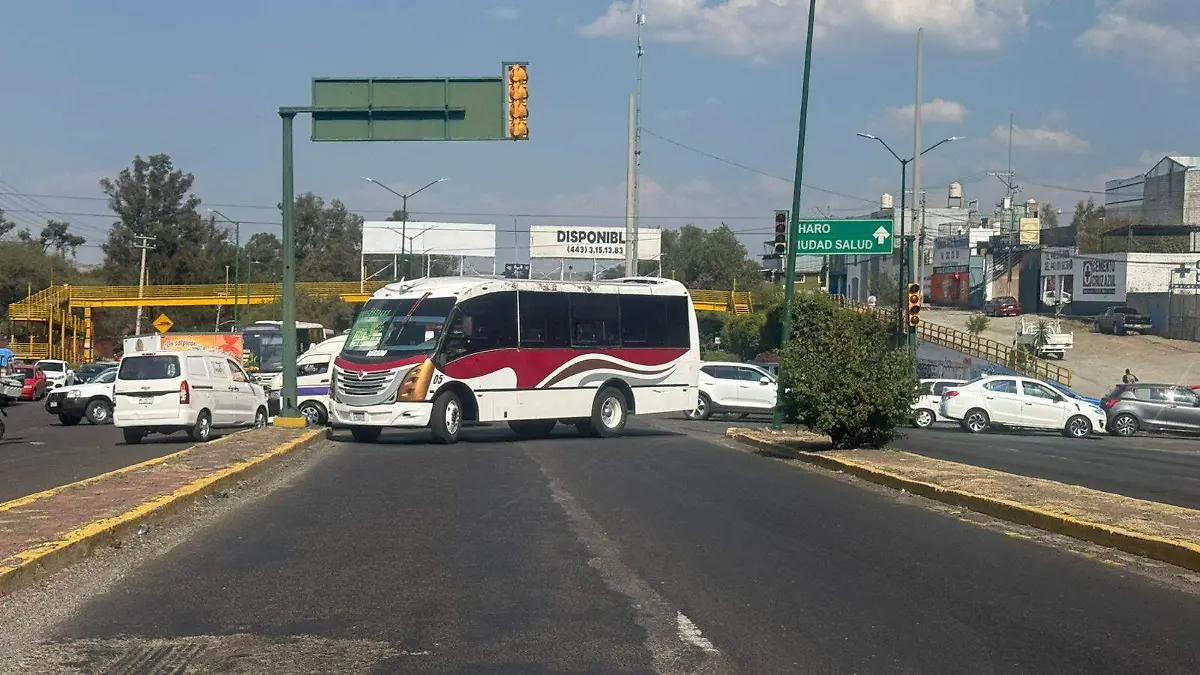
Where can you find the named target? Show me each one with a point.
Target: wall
(1191, 198)
(938, 361)
(1163, 200)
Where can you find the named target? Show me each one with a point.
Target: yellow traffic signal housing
(518, 101)
(914, 305)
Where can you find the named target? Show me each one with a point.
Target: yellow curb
(32, 564)
(1181, 553)
(29, 499)
(290, 422)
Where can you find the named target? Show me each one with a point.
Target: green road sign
(408, 109)
(844, 237)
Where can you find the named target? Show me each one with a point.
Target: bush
(742, 334)
(977, 324)
(718, 355)
(844, 377)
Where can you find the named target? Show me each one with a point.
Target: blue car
(1071, 393)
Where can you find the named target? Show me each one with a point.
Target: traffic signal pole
(789, 290)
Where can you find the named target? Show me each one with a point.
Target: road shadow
(953, 429)
(491, 433)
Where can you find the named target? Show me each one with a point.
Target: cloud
(1042, 139)
(1157, 32)
(712, 101)
(937, 111)
(760, 29)
(1150, 157)
(504, 13)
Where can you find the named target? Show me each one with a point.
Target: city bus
(441, 352)
(262, 345)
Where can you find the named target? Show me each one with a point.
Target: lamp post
(904, 237)
(403, 212)
(237, 254)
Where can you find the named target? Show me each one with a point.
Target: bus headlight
(416, 383)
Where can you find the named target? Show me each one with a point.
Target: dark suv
(1158, 407)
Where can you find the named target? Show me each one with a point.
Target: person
(1129, 378)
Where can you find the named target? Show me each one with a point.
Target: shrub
(844, 377)
(743, 334)
(717, 355)
(977, 324)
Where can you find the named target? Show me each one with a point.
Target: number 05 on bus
(446, 351)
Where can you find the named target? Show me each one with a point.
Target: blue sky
(1099, 89)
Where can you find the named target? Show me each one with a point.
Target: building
(1167, 194)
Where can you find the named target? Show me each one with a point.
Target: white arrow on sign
(881, 234)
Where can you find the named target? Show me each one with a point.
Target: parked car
(1123, 320)
(925, 410)
(733, 388)
(87, 371)
(193, 391)
(92, 400)
(312, 381)
(1003, 306)
(58, 372)
(36, 384)
(1157, 407)
(1019, 402)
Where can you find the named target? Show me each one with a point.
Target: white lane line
(689, 633)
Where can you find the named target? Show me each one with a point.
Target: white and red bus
(443, 351)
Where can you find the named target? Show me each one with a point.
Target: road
(665, 551)
(38, 453)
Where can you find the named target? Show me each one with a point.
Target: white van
(313, 369)
(193, 391)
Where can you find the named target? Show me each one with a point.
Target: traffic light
(781, 232)
(518, 101)
(914, 305)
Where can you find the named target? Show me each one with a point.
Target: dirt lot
(1098, 361)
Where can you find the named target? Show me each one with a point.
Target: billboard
(591, 243)
(472, 240)
(227, 343)
(1102, 280)
(1031, 231)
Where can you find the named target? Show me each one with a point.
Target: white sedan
(1020, 402)
(929, 398)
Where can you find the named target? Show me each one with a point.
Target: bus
(262, 345)
(441, 352)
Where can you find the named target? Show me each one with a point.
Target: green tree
(708, 259)
(263, 251)
(743, 335)
(56, 235)
(328, 240)
(26, 266)
(6, 225)
(1049, 215)
(883, 286)
(977, 323)
(843, 376)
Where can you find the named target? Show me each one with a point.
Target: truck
(1122, 321)
(1054, 342)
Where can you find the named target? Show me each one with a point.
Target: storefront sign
(1057, 260)
(1100, 277)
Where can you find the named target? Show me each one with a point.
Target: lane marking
(689, 633)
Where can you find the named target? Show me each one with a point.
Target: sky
(1098, 89)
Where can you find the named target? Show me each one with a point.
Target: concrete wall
(1162, 203)
(1191, 198)
(938, 361)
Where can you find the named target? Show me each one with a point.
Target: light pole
(237, 254)
(403, 212)
(904, 238)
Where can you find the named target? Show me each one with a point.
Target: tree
(977, 323)
(330, 312)
(883, 286)
(743, 335)
(25, 266)
(1049, 215)
(154, 199)
(328, 240)
(708, 259)
(6, 225)
(56, 235)
(842, 375)
(397, 216)
(263, 250)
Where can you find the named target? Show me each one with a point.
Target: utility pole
(1008, 178)
(909, 240)
(143, 242)
(637, 141)
(789, 290)
(631, 191)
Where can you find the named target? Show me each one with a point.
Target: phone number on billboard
(596, 250)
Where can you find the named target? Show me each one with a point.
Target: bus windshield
(263, 350)
(392, 327)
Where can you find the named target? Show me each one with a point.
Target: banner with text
(591, 243)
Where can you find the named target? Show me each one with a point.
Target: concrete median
(47, 531)
(1162, 532)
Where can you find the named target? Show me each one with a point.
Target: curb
(36, 563)
(1179, 553)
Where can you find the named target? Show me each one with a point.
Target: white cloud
(1041, 139)
(937, 111)
(504, 13)
(712, 101)
(1161, 32)
(759, 29)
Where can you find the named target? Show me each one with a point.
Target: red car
(1003, 306)
(36, 385)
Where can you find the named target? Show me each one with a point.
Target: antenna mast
(637, 138)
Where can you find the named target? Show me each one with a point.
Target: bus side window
(643, 321)
(487, 322)
(595, 318)
(544, 320)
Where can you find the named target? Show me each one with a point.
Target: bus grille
(357, 383)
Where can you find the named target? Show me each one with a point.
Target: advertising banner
(1102, 280)
(1058, 260)
(591, 243)
(1031, 231)
(227, 343)
(386, 237)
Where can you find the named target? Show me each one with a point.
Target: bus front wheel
(447, 418)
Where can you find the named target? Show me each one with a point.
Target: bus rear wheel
(610, 411)
(531, 429)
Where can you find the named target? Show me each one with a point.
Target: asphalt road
(659, 552)
(38, 452)
(1159, 468)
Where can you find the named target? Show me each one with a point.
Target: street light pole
(904, 239)
(237, 254)
(404, 213)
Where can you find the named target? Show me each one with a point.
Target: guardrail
(999, 353)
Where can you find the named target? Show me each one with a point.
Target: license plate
(358, 416)
(146, 400)
(53, 404)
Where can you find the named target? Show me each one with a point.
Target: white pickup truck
(1055, 342)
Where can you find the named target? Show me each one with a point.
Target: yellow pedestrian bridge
(66, 311)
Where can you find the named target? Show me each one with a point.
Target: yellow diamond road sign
(163, 323)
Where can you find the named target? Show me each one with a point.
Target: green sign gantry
(844, 237)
